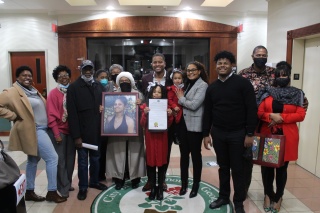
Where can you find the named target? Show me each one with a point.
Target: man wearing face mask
(84, 97)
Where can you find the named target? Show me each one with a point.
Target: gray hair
(115, 66)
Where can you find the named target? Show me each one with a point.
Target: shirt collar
(163, 80)
(226, 77)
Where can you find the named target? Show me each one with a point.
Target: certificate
(158, 115)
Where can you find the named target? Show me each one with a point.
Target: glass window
(135, 54)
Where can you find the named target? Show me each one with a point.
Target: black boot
(194, 191)
(160, 192)
(183, 190)
(153, 191)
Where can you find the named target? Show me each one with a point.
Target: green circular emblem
(128, 200)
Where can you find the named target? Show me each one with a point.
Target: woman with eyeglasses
(190, 131)
(26, 107)
(59, 129)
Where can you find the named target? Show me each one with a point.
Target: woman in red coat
(279, 111)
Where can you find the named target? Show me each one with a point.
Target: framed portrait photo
(120, 114)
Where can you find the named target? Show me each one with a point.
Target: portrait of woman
(119, 122)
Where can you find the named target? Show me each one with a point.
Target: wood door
(34, 60)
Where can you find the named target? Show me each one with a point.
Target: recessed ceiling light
(216, 3)
(110, 8)
(188, 8)
(1, 2)
(150, 2)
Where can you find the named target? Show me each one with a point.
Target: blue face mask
(62, 86)
(104, 82)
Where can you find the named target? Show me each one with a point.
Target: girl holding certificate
(156, 143)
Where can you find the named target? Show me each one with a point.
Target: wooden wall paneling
(71, 50)
(72, 37)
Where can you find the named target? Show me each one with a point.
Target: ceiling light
(150, 2)
(1, 2)
(110, 8)
(216, 3)
(81, 2)
(188, 8)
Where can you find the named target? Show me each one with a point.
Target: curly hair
(20, 69)
(153, 88)
(202, 68)
(58, 69)
(283, 68)
(227, 55)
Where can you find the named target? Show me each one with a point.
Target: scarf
(285, 95)
(64, 103)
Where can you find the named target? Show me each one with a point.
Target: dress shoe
(164, 186)
(99, 186)
(219, 202)
(160, 193)
(146, 187)
(82, 194)
(118, 186)
(152, 194)
(54, 197)
(194, 191)
(135, 185)
(71, 189)
(31, 196)
(183, 189)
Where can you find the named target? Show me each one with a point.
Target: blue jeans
(47, 152)
(94, 157)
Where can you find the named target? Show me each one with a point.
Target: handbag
(268, 150)
(9, 170)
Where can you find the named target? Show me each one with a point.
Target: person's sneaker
(31, 196)
(54, 197)
(82, 194)
(99, 186)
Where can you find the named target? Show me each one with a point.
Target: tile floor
(302, 193)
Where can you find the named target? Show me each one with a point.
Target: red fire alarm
(54, 28)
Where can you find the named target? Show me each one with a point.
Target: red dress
(156, 142)
(291, 115)
(173, 102)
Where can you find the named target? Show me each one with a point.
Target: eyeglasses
(63, 76)
(192, 70)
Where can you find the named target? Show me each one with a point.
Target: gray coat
(193, 106)
(116, 155)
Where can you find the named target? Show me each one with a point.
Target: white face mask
(64, 86)
(87, 79)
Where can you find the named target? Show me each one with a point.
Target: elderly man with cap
(84, 97)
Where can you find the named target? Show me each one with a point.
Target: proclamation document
(158, 115)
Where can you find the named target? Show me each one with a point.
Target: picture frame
(120, 114)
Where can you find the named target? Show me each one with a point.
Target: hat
(86, 63)
(127, 75)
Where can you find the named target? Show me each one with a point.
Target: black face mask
(282, 82)
(125, 87)
(260, 62)
(114, 77)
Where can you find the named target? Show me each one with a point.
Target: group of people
(224, 115)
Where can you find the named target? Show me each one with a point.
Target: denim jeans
(47, 152)
(94, 157)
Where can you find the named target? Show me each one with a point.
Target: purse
(268, 150)
(9, 170)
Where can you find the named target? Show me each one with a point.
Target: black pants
(103, 150)
(229, 148)
(247, 168)
(190, 143)
(267, 174)
(151, 170)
